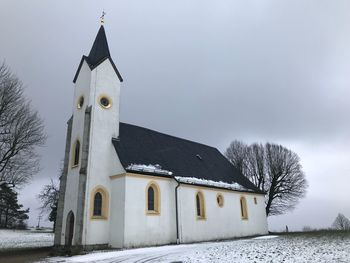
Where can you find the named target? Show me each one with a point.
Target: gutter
(177, 212)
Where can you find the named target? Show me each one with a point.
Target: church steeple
(98, 53)
(99, 50)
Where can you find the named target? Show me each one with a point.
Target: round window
(105, 102)
(220, 200)
(80, 102)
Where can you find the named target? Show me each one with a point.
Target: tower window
(80, 102)
(200, 207)
(105, 102)
(153, 199)
(76, 153)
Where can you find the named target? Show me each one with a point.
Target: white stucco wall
(220, 222)
(142, 229)
(117, 212)
(103, 161)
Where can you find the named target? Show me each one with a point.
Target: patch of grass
(315, 233)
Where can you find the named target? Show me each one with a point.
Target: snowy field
(13, 239)
(316, 247)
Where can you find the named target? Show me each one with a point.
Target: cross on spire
(102, 18)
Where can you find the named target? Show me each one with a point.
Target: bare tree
(286, 182)
(237, 154)
(21, 131)
(341, 223)
(49, 200)
(273, 169)
(249, 160)
(256, 165)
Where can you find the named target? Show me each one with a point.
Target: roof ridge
(168, 135)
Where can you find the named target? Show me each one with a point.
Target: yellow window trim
(108, 98)
(105, 203)
(98, 218)
(202, 206)
(157, 199)
(243, 208)
(79, 100)
(152, 213)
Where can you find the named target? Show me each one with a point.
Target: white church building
(128, 186)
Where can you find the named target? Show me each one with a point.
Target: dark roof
(184, 158)
(98, 53)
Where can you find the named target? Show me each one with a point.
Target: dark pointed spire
(99, 50)
(98, 53)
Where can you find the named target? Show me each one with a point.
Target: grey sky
(209, 71)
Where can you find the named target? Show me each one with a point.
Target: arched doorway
(69, 228)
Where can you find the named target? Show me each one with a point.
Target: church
(127, 186)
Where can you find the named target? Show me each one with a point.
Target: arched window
(152, 199)
(150, 194)
(76, 153)
(99, 203)
(244, 212)
(200, 207)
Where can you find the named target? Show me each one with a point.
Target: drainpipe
(177, 212)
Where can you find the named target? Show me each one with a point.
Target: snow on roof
(192, 180)
(157, 169)
(150, 168)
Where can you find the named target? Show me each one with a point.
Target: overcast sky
(208, 71)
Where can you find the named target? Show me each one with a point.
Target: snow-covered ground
(287, 248)
(12, 239)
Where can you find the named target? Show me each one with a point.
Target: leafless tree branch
(341, 223)
(21, 132)
(273, 169)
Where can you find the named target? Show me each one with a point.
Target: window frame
(102, 96)
(80, 102)
(104, 203)
(202, 215)
(101, 204)
(243, 208)
(156, 199)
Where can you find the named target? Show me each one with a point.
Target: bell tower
(89, 155)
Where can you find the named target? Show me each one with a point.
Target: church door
(69, 228)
